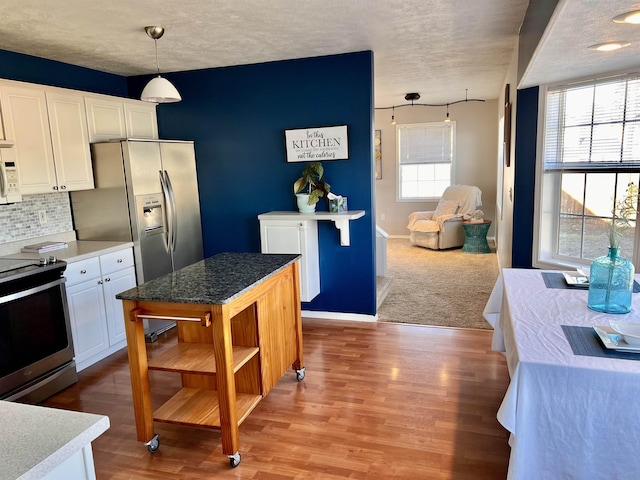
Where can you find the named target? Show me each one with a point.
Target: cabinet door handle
(63, 187)
(100, 282)
(83, 271)
(119, 260)
(107, 279)
(55, 188)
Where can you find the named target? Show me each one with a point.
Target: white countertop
(34, 440)
(77, 250)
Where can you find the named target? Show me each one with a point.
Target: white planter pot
(302, 200)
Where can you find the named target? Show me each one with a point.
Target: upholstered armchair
(442, 228)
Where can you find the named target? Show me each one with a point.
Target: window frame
(452, 126)
(547, 208)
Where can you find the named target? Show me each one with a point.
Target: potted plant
(310, 187)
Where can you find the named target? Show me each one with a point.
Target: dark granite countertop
(213, 281)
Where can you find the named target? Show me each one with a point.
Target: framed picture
(317, 144)
(377, 143)
(507, 126)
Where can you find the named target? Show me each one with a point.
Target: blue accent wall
(525, 177)
(237, 117)
(27, 68)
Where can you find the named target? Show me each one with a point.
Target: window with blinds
(591, 154)
(593, 126)
(425, 159)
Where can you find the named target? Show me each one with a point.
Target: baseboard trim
(354, 317)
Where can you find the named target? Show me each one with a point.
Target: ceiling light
(159, 89)
(609, 46)
(393, 116)
(629, 17)
(447, 119)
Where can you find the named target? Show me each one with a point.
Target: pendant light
(159, 89)
(447, 119)
(393, 116)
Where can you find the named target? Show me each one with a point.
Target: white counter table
(570, 416)
(47, 443)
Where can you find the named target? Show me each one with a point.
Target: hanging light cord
(155, 40)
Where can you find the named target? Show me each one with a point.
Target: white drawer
(114, 261)
(78, 272)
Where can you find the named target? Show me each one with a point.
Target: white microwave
(9, 182)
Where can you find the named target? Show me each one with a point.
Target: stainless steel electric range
(36, 348)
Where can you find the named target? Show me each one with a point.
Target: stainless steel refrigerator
(146, 192)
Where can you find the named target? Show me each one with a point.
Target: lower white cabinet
(97, 320)
(295, 236)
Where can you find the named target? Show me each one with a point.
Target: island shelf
(239, 330)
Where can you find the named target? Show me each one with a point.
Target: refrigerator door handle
(174, 212)
(167, 221)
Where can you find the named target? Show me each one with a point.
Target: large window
(425, 159)
(591, 153)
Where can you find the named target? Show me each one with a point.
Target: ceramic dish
(576, 279)
(630, 331)
(614, 341)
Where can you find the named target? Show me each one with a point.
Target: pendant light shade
(159, 89)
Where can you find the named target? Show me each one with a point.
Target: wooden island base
(229, 355)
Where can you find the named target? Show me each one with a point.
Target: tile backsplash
(21, 221)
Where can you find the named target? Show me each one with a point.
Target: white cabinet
(97, 321)
(295, 236)
(111, 117)
(140, 119)
(50, 140)
(70, 140)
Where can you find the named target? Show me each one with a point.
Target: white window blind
(594, 126)
(425, 143)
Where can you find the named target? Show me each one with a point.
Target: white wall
(505, 177)
(476, 153)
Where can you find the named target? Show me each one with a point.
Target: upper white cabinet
(70, 139)
(105, 117)
(110, 118)
(27, 125)
(140, 119)
(49, 134)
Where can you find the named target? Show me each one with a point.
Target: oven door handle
(31, 291)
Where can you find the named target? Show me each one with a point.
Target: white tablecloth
(570, 416)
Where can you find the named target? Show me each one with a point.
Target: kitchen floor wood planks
(379, 400)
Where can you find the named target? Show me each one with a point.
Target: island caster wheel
(234, 460)
(153, 444)
(300, 374)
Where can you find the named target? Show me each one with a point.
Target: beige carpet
(444, 288)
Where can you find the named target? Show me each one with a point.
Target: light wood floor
(379, 400)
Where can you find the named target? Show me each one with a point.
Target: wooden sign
(317, 144)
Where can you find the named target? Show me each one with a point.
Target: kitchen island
(239, 330)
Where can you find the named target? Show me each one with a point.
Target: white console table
(293, 232)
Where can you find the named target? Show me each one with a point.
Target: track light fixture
(159, 89)
(412, 97)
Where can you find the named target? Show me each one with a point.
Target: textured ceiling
(563, 53)
(419, 46)
(438, 48)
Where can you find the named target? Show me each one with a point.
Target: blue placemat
(584, 341)
(556, 280)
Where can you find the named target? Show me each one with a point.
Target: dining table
(572, 406)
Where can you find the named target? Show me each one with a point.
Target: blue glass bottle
(611, 283)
